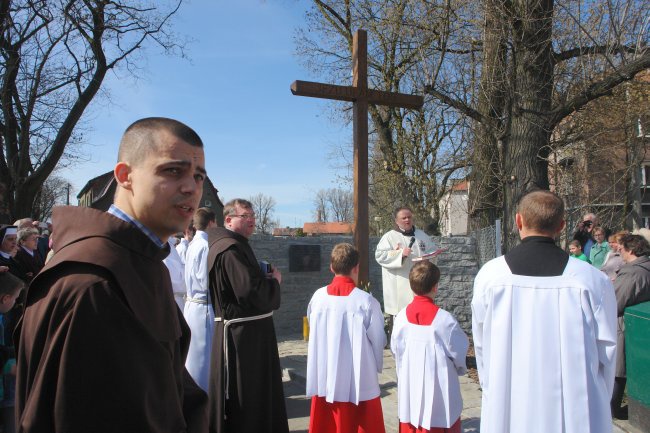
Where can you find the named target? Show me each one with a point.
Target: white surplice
(429, 359)
(177, 274)
(181, 249)
(545, 349)
(346, 345)
(198, 310)
(395, 270)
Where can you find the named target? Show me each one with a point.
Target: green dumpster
(637, 352)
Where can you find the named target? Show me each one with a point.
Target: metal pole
(497, 237)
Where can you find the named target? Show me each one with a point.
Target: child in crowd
(430, 349)
(10, 287)
(575, 249)
(345, 352)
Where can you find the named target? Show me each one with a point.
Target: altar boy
(430, 350)
(345, 352)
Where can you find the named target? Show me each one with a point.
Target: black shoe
(621, 414)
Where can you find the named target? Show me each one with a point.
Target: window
(640, 132)
(645, 174)
(208, 203)
(646, 222)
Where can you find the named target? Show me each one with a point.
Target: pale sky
(234, 91)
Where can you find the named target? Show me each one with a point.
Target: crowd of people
(150, 318)
(24, 248)
(623, 257)
(130, 328)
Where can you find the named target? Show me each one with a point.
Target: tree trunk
(24, 201)
(485, 198)
(512, 141)
(634, 154)
(526, 148)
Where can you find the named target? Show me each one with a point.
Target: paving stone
(293, 358)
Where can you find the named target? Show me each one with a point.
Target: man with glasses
(245, 377)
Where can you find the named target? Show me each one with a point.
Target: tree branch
(343, 26)
(597, 49)
(457, 104)
(600, 88)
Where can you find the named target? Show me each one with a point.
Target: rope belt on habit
(226, 325)
(196, 301)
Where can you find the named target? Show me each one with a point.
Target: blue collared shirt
(115, 211)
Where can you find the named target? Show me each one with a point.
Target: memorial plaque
(304, 258)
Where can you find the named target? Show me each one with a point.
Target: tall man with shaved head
(102, 342)
(544, 328)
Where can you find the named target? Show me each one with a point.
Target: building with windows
(454, 209)
(602, 159)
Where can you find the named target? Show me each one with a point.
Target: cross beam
(360, 96)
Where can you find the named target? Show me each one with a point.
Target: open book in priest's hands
(427, 256)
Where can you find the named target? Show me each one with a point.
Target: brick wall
(458, 266)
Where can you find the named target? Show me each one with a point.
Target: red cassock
(422, 311)
(345, 417)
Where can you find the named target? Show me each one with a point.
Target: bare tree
(542, 61)
(321, 210)
(54, 57)
(5, 218)
(413, 154)
(54, 191)
(341, 204)
(510, 70)
(264, 206)
(334, 204)
(598, 162)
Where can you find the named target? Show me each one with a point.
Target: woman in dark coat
(632, 287)
(27, 256)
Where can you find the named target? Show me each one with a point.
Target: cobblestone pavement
(293, 358)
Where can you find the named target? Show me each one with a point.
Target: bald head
(143, 135)
(542, 211)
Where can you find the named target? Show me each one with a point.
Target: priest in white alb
(544, 329)
(198, 312)
(345, 354)
(395, 253)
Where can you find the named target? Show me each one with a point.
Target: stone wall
(458, 266)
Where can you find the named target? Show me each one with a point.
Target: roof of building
(284, 231)
(460, 186)
(97, 184)
(333, 228)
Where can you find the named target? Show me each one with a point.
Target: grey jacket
(632, 287)
(633, 284)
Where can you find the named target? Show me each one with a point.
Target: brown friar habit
(255, 402)
(102, 343)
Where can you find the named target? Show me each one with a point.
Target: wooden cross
(361, 96)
